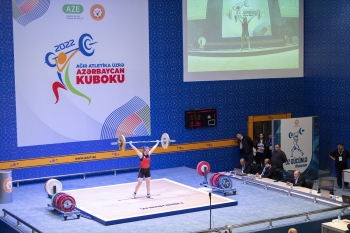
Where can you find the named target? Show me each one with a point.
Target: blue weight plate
(225, 182)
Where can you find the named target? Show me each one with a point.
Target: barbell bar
(121, 142)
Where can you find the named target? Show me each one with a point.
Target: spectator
(298, 180)
(340, 157)
(278, 157)
(246, 168)
(261, 147)
(246, 146)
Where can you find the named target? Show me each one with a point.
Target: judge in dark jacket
(263, 168)
(268, 171)
(246, 147)
(246, 168)
(298, 180)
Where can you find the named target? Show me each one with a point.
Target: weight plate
(215, 179)
(165, 140)
(46, 183)
(200, 167)
(225, 182)
(53, 199)
(211, 179)
(58, 198)
(50, 184)
(67, 203)
(122, 142)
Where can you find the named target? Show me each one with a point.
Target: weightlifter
(144, 171)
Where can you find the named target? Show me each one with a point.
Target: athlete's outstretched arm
(153, 148)
(251, 18)
(135, 149)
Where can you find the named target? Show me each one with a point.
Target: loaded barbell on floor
(165, 141)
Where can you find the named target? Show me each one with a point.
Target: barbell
(252, 13)
(121, 142)
(245, 14)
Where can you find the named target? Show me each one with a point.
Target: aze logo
(73, 9)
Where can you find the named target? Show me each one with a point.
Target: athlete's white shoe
(133, 196)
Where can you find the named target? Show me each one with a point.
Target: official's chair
(290, 175)
(309, 184)
(255, 168)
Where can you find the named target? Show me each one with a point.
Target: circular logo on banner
(296, 122)
(97, 12)
(7, 185)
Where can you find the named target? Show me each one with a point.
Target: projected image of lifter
(245, 32)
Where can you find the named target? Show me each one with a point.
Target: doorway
(263, 124)
(264, 127)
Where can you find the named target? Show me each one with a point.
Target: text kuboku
(100, 76)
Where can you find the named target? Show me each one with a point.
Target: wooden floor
(113, 204)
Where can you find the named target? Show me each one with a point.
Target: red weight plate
(67, 204)
(215, 179)
(200, 167)
(54, 200)
(58, 199)
(211, 179)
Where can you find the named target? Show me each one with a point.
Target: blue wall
(326, 83)
(170, 96)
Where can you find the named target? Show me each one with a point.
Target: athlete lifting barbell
(145, 159)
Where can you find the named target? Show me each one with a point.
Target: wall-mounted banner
(299, 139)
(81, 70)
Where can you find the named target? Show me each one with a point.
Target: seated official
(298, 180)
(263, 168)
(268, 171)
(246, 168)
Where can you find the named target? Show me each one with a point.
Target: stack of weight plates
(63, 202)
(220, 181)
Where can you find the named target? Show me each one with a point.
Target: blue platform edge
(158, 215)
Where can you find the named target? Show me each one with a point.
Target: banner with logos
(299, 139)
(81, 70)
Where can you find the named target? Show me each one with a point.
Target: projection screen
(242, 39)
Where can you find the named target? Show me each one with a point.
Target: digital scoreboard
(200, 118)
